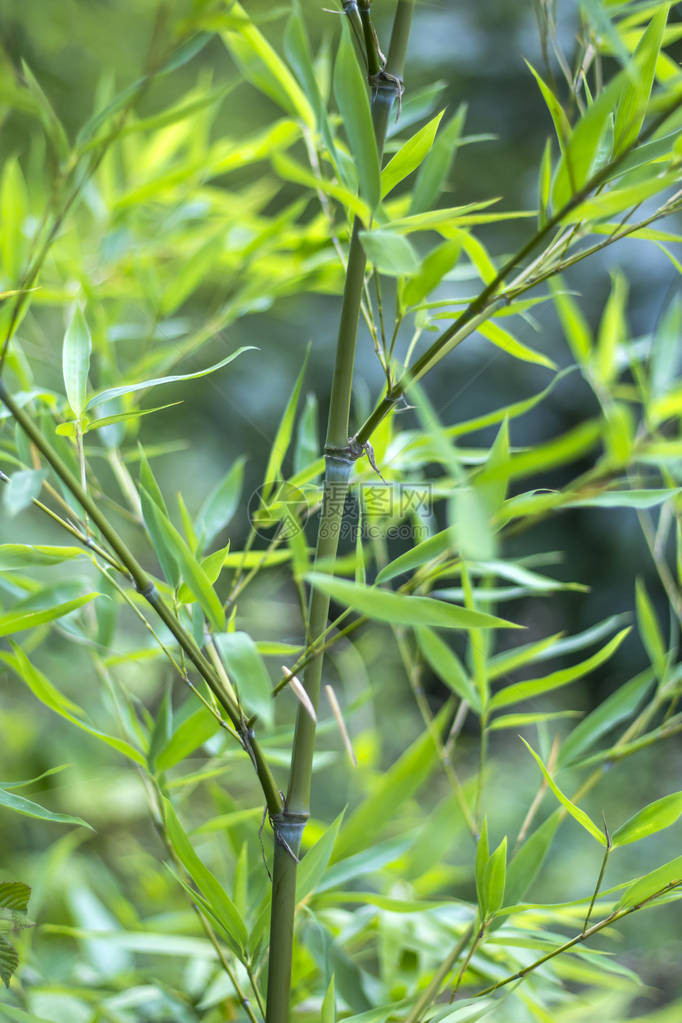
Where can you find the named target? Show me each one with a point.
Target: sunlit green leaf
(350, 92)
(647, 821)
(575, 811)
(410, 155)
(76, 361)
(30, 809)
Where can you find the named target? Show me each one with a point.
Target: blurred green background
(477, 51)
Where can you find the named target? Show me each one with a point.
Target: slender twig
(431, 992)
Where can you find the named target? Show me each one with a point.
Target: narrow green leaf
(328, 1011)
(315, 861)
(16, 621)
(574, 325)
(425, 551)
(99, 397)
(409, 156)
(219, 901)
(261, 65)
(582, 818)
(248, 672)
(612, 329)
(76, 361)
(633, 103)
(350, 92)
(578, 159)
(505, 340)
(517, 691)
(390, 253)
(495, 878)
(13, 213)
(432, 270)
(307, 448)
(447, 665)
(522, 720)
(561, 123)
(43, 689)
(22, 488)
(282, 440)
(649, 629)
(220, 505)
(397, 609)
(644, 887)
(526, 864)
(192, 572)
(652, 818)
(482, 857)
(433, 173)
(616, 708)
(197, 729)
(9, 961)
(625, 499)
(30, 809)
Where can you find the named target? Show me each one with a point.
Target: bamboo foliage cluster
(357, 919)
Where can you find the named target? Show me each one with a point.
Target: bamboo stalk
(339, 456)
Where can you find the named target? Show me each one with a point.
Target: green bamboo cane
(288, 826)
(145, 586)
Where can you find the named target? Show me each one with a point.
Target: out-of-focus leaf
(423, 552)
(432, 270)
(76, 361)
(30, 809)
(434, 170)
(447, 665)
(495, 878)
(644, 887)
(612, 329)
(13, 212)
(582, 818)
(574, 325)
(527, 862)
(282, 440)
(390, 253)
(396, 785)
(481, 862)
(307, 448)
(350, 92)
(9, 961)
(262, 66)
(16, 621)
(505, 340)
(99, 397)
(248, 673)
(624, 499)
(188, 736)
(15, 556)
(652, 818)
(220, 903)
(328, 1011)
(397, 609)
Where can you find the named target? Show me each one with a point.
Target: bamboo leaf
(48, 694)
(16, 621)
(425, 551)
(13, 213)
(22, 488)
(350, 92)
(625, 499)
(394, 787)
(562, 125)
(494, 879)
(99, 397)
(582, 818)
(649, 629)
(574, 325)
(261, 65)
(76, 352)
(282, 440)
(221, 904)
(249, 675)
(434, 171)
(447, 665)
(652, 818)
(506, 341)
(328, 1011)
(481, 862)
(518, 691)
(644, 887)
(14, 895)
(15, 556)
(410, 155)
(390, 253)
(432, 270)
(526, 864)
(397, 609)
(28, 808)
(616, 708)
(220, 505)
(633, 103)
(315, 861)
